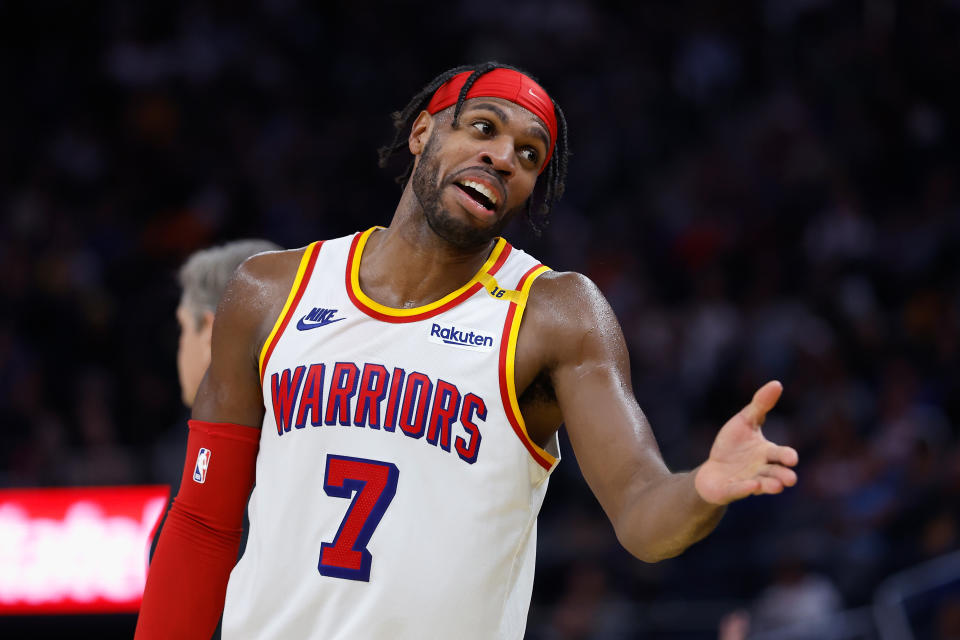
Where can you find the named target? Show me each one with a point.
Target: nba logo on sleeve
(200, 471)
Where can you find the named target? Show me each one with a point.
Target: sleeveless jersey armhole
(304, 271)
(508, 351)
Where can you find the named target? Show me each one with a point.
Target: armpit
(541, 412)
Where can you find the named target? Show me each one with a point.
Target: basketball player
(398, 392)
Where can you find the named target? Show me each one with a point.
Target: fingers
(786, 456)
(786, 477)
(744, 488)
(773, 479)
(770, 479)
(769, 486)
(763, 401)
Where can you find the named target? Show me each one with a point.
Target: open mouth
(484, 196)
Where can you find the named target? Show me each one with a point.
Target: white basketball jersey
(396, 488)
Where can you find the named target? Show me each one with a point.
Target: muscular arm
(198, 546)
(571, 333)
(251, 304)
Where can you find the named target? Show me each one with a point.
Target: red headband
(501, 83)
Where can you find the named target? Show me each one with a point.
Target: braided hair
(545, 193)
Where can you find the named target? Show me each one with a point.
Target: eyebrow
(536, 131)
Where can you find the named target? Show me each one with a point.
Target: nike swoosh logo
(532, 93)
(303, 326)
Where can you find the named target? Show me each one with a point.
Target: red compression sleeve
(197, 549)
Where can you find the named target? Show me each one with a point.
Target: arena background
(762, 190)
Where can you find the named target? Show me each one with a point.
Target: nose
(498, 153)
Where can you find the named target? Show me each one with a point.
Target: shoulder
(562, 286)
(565, 298)
(262, 277)
(269, 267)
(256, 293)
(564, 309)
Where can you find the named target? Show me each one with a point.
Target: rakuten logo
(462, 337)
(63, 551)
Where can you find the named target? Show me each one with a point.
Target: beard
(427, 188)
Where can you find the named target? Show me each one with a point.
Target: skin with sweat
(571, 362)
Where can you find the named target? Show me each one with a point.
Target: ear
(206, 328)
(420, 133)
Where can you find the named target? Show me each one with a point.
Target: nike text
(319, 317)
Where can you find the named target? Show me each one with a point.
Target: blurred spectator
(734, 625)
(797, 598)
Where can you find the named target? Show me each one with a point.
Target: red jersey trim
(508, 350)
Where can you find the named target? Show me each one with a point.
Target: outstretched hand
(742, 461)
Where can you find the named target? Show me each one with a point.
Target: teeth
(482, 189)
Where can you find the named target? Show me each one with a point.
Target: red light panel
(76, 550)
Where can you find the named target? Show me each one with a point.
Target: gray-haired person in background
(203, 278)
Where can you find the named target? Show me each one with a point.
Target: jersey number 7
(375, 484)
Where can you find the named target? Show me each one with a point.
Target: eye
(483, 127)
(530, 155)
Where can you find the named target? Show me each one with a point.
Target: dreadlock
(545, 193)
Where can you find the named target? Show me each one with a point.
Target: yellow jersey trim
(404, 313)
(511, 362)
(297, 281)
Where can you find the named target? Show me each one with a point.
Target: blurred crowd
(765, 189)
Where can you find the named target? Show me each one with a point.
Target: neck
(409, 265)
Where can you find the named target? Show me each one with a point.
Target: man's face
(470, 181)
(193, 351)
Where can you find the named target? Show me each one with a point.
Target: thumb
(763, 401)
